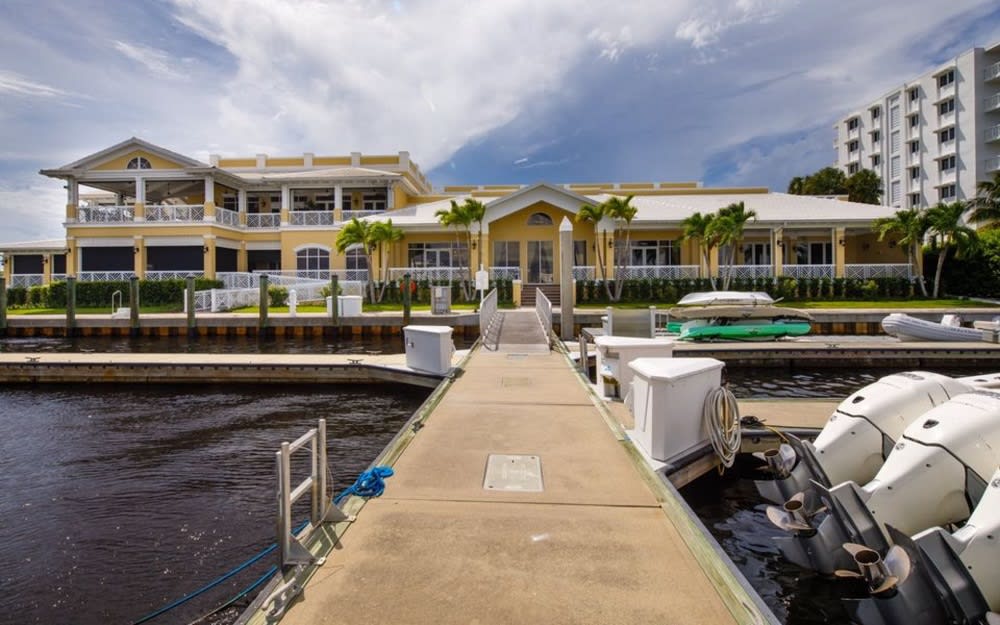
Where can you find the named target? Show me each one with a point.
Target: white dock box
(349, 305)
(615, 352)
(668, 398)
(429, 348)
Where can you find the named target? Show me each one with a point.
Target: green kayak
(737, 331)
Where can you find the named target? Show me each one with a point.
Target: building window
(312, 259)
(947, 192)
(138, 163)
(947, 163)
(229, 202)
(894, 193)
(374, 201)
(894, 142)
(650, 253)
(820, 253)
(852, 168)
(947, 135)
(946, 78)
(876, 112)
(355, 259)
(876, 160)
(852, 124)
(876, 136)
(914, 200)
(914, 147)
(579, 253)
(506, 253)
(756, 253)
(253, 204)
(852, 146)
(946, 107)
(914, 121)
(894, 165)
(894, 117)
(438, 255)
(539, 219)
(275, 203)
(914, 94)
(914, 173)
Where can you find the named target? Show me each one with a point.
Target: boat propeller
(883, 576)
(795, 515)
(780, 460)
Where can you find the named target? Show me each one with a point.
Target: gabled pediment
(118, 156)
(542, 192)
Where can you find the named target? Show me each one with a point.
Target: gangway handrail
(543, 308)
(487, 315)
(120, 296)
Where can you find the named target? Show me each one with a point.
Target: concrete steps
(551, 291)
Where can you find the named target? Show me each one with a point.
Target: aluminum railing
(429, 273)
(877, 270)
(58, 277)
(263, 220)
(746, 272)
(992, 102)
(505, 273)
(349, 215)
(584, 272)
(992, 72)
(105, 214)
(993, 133)
(227, 217)
(651, 272)
(105, 276)
(808, 271)
(487, 316)
(174, 275)
(543, 308)
(25, 280)
(311, 218)
(175, 212)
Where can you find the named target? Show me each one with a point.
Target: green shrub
(277, 295)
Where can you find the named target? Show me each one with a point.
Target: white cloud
(32, 212)
(157, 62)
(15, 84)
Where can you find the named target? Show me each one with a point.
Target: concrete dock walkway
(595, 546)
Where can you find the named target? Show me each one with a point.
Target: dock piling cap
(673, 369)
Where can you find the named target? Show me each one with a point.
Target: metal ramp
(521, 331)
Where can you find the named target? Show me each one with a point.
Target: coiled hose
(721, 417)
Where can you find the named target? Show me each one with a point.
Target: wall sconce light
(841, 243)
(136, 250)
(45, 260)
(474, 244)
(780, 243)
(205, 249)
(611, 243)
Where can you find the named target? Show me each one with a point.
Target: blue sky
(729, 93)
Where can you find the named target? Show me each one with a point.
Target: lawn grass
(99, 310)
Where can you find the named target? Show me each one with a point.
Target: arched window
(356, 258)
(539, 219)
(138, 163)
(311, 260)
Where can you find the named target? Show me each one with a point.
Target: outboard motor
(940, 577)
(932, 477)
(859, 434)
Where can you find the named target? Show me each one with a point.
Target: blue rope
(370, 483)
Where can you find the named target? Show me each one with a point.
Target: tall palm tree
(728, 228)
(621, 212)
(593, 214)
(384, 234)
(986, 206)
(910, 225)
(357, 232)
(461, 218)
(697, 227)
(796, 185)
(476, 211)
(946, 223)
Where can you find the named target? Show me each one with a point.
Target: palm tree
(383, 233)
(910, 225)
(621, 211)
(727, 228)
(946, 223)
(986, 206)
(357, 232)
(698, 227)
(796, 185)
(476, 211)
(594, 213)
(461, 218)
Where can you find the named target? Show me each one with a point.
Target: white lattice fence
(808, 271)
(746, 272)
(878, 270)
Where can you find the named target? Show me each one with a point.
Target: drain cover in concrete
(513, 473)
(507, 381)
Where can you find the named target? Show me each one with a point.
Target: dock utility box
(668, 398)
(615, 352)
(440, 300)
(429, 348)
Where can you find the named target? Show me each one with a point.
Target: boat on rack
(907, 328)
(735, 315)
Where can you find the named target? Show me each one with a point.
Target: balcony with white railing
(175, 212)
(505, 273)
(584, 272)
(945, 92)
(746, 272)
(877, 270)
(808, 271)
(105, 276)
(174, 275)
(105, 214)
(993, 133)
(664, 272)
(946, 148)
(310, 218)
(429, 273)
(993, 164)
(349, 215)
(947, 119)
(263, 220)
(227, 217)
(992, 72)
(25, 280)
(992, 103)
(948, 176)
(57, 277)
(854, 133)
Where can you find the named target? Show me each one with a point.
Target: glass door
(540, 262)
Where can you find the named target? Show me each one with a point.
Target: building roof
(332, 173)
(24, 247)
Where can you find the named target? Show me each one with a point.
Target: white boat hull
(907, 328)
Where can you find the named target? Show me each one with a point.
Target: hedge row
(98, 294)
(789, 289)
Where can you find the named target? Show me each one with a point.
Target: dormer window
(138, 163)
(539, 219)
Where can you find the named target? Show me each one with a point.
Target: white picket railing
(263, 220)
(175, 212)
(311, 218)
(877, 270)
(174, 275)
(584, 272)
(105, 276)
(25, 280)
(651, 272)
(58, 277)
(505, 273)
(105, 214)
(349, 215)
(543, 308)
(202, 300)
(808, 271)
(227, 217)
(429, 273)
(744, 272)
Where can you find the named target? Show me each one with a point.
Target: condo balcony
(993, 133)
(992, 103)
(993, 164)
(993, 72)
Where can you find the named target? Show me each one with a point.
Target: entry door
(540, 262)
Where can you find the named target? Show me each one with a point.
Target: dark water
(116, 501)
(764, 383)
(734, 514)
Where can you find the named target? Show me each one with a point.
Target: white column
(209, 189)
(140, 190)
(72, 191)
(390, 197)
(241, 200)
(286, 197)
(338, 197)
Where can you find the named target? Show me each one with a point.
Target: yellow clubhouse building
(150, 212)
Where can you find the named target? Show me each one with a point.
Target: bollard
(406, 299)
(133, 305)
(293, 303)
(189, 304)
(334, 293)
(265, 301)
(70, 305)
(3, 304)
